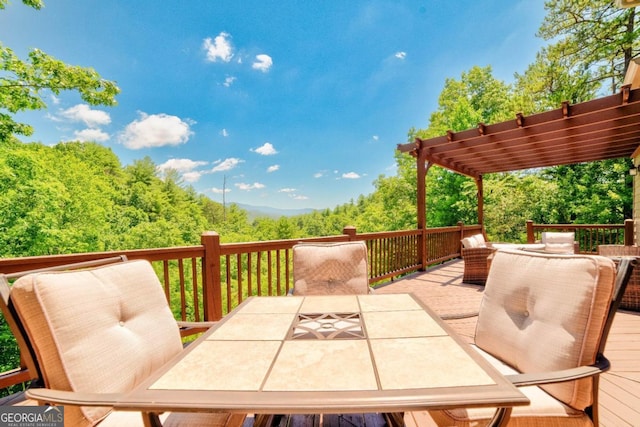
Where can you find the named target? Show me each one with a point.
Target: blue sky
(299, 104)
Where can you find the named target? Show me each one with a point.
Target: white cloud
(156, 130)
(181, 165)
(226, 164)
(263, 63)
(401, 55)
(224, 133)
(192, 176)
(91, 135)
(229, 81)
(376, 137)
(249, 187)
(219, 48)
(216, 190)
(273, 168)
(318, 175)
(185, 167)
(266, 149)
(84, 113)
(291, 192)
(350, 175)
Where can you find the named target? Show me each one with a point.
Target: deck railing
(588, 236)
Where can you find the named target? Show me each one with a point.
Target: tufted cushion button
(526, 313)
(121, 323)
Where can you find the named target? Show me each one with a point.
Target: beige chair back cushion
(544, 312)
(467, 243)
(101, 330)
(559, 242)
(479, 238)
(475, 241)
(330, 268)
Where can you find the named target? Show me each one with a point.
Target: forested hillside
(77, 197)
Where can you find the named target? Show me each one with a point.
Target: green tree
(24, 83)
(549, 81)
(477, 97)
(513, 198)
(593, 36)
(599, 192)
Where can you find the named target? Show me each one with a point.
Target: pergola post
(422, 169)
(422, 191)
(480, 187)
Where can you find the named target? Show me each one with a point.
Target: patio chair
(543, 322)
(330, 269)
(475, 253)
(90, 335)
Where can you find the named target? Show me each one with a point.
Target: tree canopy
(596, 38)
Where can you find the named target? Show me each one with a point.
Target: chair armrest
(486, 251)
(540, 378)
(192, 328)
(199, 325)
(47, 395)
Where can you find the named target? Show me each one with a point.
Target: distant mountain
(262, 211)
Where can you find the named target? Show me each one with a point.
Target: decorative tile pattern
(330, 326)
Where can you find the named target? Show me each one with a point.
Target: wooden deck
(442, 289)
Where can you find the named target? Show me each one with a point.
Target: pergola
(604, 128)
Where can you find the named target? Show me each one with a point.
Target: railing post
(422, 249)
(531, 237)
(461, 225)
(629, 235)
(350, 231)
(211, 286)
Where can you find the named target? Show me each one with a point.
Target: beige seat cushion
(543, 312)
(99, 330)
(330, 268)
(544, 410)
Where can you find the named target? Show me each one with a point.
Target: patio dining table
(326, 354)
